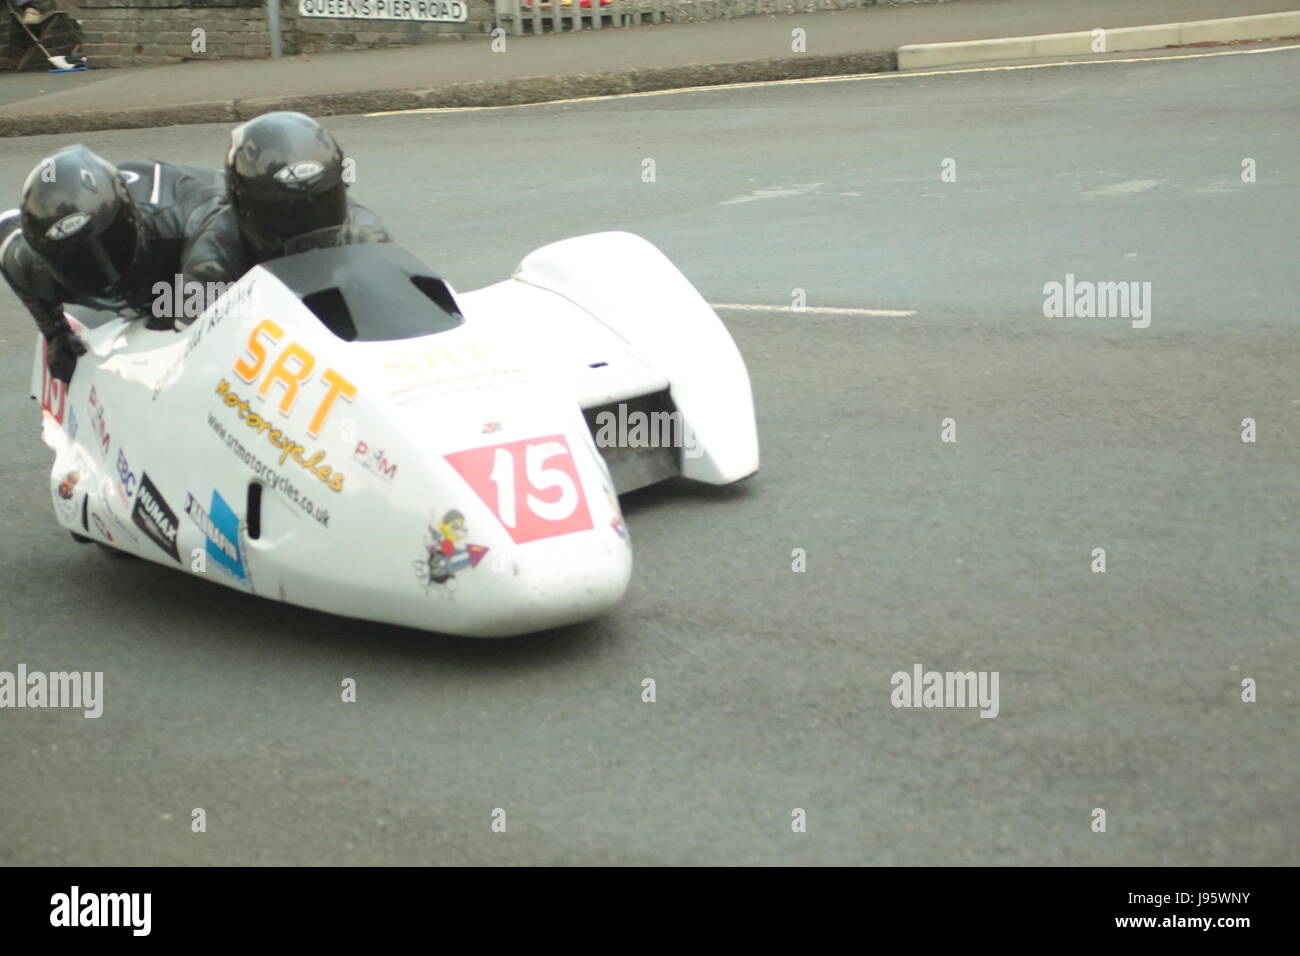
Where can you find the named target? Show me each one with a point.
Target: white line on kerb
(850, 78)
(814, 309)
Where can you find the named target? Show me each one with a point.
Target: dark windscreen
(331, 237)
(368, 292)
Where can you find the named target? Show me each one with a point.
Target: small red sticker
(54, 394)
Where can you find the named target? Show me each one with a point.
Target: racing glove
(61, 353)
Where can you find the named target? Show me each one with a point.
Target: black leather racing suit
(217, 252)
(173, 201)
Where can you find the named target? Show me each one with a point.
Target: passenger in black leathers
(93, 234)
(287, 177)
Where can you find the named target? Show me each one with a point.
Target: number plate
(532, 486)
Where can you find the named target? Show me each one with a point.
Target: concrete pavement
(1104, 39)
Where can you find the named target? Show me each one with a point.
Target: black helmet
(78, 216)
(286, 179)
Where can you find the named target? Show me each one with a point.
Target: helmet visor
(268, 224)
(98, 266)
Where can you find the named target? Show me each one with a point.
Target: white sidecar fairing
(341, 431)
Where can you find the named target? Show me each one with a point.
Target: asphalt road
(1119, 691)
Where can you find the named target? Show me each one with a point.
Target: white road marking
(775, 192)
(853, 77)
(1125, 188)
(813, 309)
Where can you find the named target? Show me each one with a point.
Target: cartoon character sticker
(446, 551)
(66, 502)
(69, 485)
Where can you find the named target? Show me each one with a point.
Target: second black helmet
(286, 179)
(78, 216)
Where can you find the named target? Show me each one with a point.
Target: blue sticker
(220, 525)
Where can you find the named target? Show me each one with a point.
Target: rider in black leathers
(89, 233)
(287, 177)
(94, 234)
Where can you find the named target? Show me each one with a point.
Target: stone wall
(14, 41)
(149, 32)
(153, 32)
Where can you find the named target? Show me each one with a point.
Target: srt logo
(289, 373)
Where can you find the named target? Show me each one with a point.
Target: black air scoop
(374, 292)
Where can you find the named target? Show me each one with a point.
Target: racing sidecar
(343, 431)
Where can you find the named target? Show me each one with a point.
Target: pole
(273, 14)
